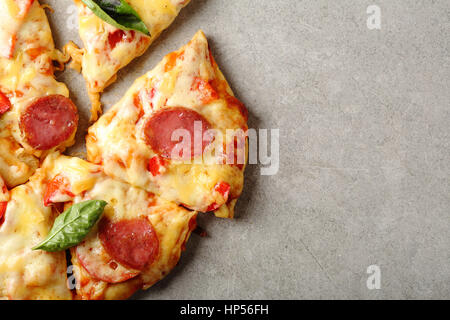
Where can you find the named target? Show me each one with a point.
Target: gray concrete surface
(364, 173)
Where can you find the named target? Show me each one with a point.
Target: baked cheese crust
(108, 49)
(188, 78)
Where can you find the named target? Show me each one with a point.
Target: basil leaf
(71, 226)
(117, 13)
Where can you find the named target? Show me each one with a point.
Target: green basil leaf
(71, 226)
(117, 13)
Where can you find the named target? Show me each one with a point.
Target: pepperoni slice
(49, 121)
(160, 127)
(133, 243)
(99, 264)
(5, 104)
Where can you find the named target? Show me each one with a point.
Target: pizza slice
(108, 48)
(24, 222)
(136, 243)
(178, 132)
(36, 115)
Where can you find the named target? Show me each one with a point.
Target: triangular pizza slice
(136, 243)
(108, 48)
(36, 115)
(27, 274)
(178, 132)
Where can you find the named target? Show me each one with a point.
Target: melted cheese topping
(11, 20)
(24, 273)
(156, 13)
(100, 62)
(117, 139)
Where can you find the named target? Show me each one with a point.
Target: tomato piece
(207, 92)
(212, 207)
(119, 35)
(3, 206)
(156, 165)
(152, 93)
(138, 104)
(172, 60)
(5, 104)
(223, 188)
(57, 186)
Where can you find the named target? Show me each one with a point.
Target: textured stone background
(365, 151)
